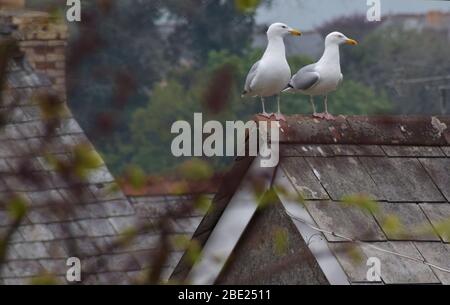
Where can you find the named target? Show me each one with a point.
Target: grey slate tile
(402, 179)
(438, 254)
(118, 278)
(330, 215)
(413, 151)
(394, 269)
(438, 215)
(26, 268)
(312, 150)
(106, 191)
(54, 266)
(344, 176)
(143, 242)
(415, 225)
(398, 270)
(65, 230)
(69, 126)
(31, 250)
(439, 170)
(110, 209)
(124, 223)
(97, 227)
(100, 175)
(303, 178)
(352, 259)
(36, 233)
(357, 150)
(186, 225)
(446, 150)
(40, 198)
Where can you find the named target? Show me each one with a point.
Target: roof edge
(366, 130)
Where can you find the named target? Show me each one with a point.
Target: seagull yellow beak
(295, 32)
(351, 42)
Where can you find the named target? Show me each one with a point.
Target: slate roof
(401, 162)
(65, 218)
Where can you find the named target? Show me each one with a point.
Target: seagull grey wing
(305, 78)
(250, 77)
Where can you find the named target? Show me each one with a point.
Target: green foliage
(196, 170)
(247, 5)
(17, 207)
(85, 159)
(281, 241)
(390, 54)
(363, 202)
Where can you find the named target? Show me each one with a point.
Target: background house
(84, 215)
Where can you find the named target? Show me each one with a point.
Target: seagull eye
(284, 27)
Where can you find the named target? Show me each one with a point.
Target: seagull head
(281, 30)
(338, 38)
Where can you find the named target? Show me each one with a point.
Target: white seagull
(322, 77)
(270, 75)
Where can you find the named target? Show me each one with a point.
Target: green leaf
(281, 241)
(363, 202)
(136, 177)
(85, 159)
(45, 279)
(196, 170)
(443, 229)
(17, 207)
(392, 225)
(246, 6)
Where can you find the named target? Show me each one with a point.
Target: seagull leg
(279, 116)
(311, 100)
(327, 115)
(264, 113)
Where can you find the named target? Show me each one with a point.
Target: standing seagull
(324, 76)
(270, 75)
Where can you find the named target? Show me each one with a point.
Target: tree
(390, 55)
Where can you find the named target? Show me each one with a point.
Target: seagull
(270, 75)
(324, 76)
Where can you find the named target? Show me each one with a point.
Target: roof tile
(446, 150)
(303, 179)
(331, 171)
(97, 227)
(413, 151)
(438, 214)
(439, 254)
(402, 179)
(439, 170)
(36, 233)
(359, 225)
(394, 269)
(33, 250)
(415, 225)
(357, 150)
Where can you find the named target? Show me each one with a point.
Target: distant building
(433, 20)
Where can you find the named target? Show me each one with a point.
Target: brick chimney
(42, 40)
(12, 4)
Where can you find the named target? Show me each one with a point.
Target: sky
(307, 14)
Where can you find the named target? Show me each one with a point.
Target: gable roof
(401, 162)
(85, 218)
